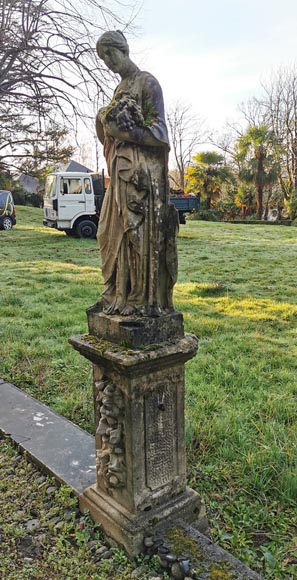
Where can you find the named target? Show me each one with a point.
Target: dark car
(7, 210)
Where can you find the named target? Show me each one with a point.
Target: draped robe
(137, 226)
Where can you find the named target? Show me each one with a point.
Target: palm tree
(255, 153)
(207, 174)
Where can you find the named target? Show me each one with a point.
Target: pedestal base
(129, 529)
(135, 331)
(138, 371)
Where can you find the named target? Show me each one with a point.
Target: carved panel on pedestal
(160, 436)
(110, 454)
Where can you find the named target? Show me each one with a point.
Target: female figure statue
(137, 225)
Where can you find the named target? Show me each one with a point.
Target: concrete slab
(60, 447)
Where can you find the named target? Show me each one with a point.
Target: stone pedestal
(139, 421)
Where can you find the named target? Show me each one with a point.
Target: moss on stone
(99, 344)
(149, 112)
(183, 545)
(221, 571)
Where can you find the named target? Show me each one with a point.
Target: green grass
(237, 290)
(63, 546)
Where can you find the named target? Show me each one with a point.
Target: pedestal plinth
(139, 421)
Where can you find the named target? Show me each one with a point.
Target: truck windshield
(50, 185)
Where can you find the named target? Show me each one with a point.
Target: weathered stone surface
(137, 227)
(62, 448)
(130, 362)
(148, 453)
(139, 423)
(129, 529)
(135, 331)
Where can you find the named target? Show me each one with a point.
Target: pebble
(41, 538)
(162, 550)
(59, 525)
(185, 566)
(106, 555)
(158, 543)
(93, 544)
(51, 489)
(41, 479)
(101, 550)
(54, 520)
(148, 542)
(163, 562)
(171, 558)
(68, 515)
(28, 560)
(32, 525)
(177, 572)
(8, 471)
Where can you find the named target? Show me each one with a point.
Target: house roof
(76, 166)
(29, 183)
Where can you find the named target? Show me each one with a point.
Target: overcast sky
(213, 55)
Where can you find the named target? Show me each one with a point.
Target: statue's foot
(128, 310)
(155, 311)
(110, 309)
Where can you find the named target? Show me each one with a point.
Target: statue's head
(112, 47)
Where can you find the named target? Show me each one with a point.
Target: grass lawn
(237, 290)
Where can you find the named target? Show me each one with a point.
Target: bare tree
(277, 109)
(280, 107)
(49, 71)
(187, 131)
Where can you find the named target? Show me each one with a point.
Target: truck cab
(73, 201)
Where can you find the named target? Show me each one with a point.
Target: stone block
(135, 331)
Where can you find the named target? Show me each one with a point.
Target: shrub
(208, 215)
(22, 197)
(292, 206)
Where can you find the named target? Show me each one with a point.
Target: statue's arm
(99, 128)
(154, 131)
(138, 135)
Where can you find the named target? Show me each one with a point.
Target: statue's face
(115, 59)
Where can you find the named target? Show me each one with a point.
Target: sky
(214, 54)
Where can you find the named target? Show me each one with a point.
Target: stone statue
(137, 226)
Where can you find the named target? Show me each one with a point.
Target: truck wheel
(181, 216)
(86, 229)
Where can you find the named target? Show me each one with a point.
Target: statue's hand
(112, 129)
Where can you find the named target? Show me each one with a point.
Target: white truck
(73, 201)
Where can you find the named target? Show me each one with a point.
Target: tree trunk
(259, 202)
(280, 208)
(259, 183)
(265, 217)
